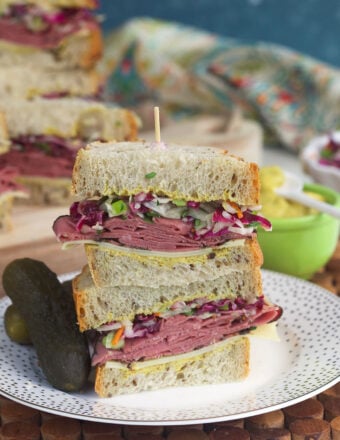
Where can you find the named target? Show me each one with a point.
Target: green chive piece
(253, 224)
(150, 175)
(119, 207)
(179, 202)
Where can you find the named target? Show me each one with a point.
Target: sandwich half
(173, 282)
(55, 34)
(45, 135)
(141, 337)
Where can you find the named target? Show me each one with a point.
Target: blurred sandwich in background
(45, 135)
(51, 33)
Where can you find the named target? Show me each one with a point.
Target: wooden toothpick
(158, 144)
(157, 125)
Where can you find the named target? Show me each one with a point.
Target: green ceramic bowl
(302, 245)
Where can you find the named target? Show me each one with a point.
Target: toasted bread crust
(4, 136)
(256, 250)
(254, 176)
(134, 125)
(94, 49)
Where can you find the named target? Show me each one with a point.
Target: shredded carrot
(118, 335)
(239, 213)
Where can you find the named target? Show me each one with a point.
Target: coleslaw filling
(200, 308)
(201, 219)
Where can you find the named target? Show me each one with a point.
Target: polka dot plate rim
(303, 363)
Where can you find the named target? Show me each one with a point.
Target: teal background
(309, 26)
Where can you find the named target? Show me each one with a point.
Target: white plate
(304, 363)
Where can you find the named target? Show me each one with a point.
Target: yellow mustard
(275, 206)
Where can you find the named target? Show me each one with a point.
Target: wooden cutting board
(31, 224)
(32, 236)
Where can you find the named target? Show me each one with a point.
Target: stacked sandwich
(173, 282)
(49, 48)
(45, 135)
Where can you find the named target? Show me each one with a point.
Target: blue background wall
(309, 26)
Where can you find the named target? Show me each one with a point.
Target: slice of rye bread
(176, 171)
(128, 267)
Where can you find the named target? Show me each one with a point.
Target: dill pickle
(50, 316)
(15, 326)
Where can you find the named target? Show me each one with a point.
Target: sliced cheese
(142, 252)
(266, 331)
(180, 358)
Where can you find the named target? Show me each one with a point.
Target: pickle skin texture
(50, 316)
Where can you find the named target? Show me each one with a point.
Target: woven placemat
(314, 418)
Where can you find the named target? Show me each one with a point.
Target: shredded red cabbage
(250, 218)
(61, 16)
(192, 204)
(144, 324)
(227, 305)
(51, 145)
(330, 153)
(236, 311)
(93, 212)
(219, 217)
(87, 213)
(37, 20)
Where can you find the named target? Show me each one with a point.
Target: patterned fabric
(293, 96)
